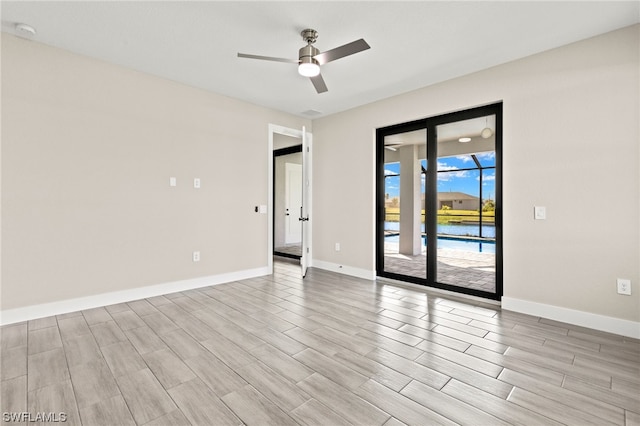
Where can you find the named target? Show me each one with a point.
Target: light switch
(539, 213)
(263, 208)
(172, 181)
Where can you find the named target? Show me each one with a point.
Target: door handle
(303, 219)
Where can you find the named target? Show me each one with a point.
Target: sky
(452, 177)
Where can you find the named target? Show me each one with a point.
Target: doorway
(285, 141)
(439, 200)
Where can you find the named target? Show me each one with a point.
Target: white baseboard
(347, 270)
(585, 319)
(27, 313)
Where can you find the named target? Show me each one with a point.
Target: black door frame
(431, 202)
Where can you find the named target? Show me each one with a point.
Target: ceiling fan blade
(267, 58)
(318, 83)
(342, 51)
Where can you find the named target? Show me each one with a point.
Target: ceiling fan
(310, 58)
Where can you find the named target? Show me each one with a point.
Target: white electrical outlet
(196, 256)
(337, 246)
(624, 286)
(196, 183)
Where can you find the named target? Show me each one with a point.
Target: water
(488, 231)
(470, 245)
(466, 245)
(459, 229)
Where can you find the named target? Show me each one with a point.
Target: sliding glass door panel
(404, 226)
(466, 255)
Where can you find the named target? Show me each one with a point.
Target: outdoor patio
(456, 267)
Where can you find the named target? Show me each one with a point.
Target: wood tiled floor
(329, 350)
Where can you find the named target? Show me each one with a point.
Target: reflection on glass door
(438, 202)
(404, 195)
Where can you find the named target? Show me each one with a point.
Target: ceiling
(413, 44)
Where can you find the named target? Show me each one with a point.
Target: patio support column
(410, 233)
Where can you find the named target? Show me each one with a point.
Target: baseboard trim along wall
(343, 269)
(584, 319)
(571, 316)
(27, 313)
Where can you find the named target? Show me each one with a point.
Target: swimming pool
(458, 229)
(464, 244)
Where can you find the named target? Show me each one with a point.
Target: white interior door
(305, 218)
(293, 202)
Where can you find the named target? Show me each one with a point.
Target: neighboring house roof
(453, 196)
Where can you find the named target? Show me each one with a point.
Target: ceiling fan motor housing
(307, 53)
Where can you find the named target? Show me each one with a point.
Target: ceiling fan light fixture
(308, 69)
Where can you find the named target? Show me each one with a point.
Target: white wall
(87, 152)
(571, 138)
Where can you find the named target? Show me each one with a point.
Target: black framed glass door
(439, 200)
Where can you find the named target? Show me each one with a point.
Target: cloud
(388, 172)
(450, 175)
(487, 178)
(486, 155)
(459, 174)
(442, 166)
(486, 158)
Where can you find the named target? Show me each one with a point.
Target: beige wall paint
(571, 138)
(87, 152)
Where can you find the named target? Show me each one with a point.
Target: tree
(489, 206)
